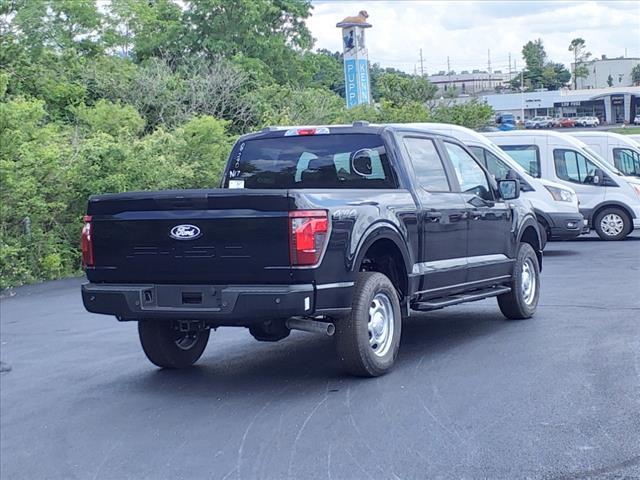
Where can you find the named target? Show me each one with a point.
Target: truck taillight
(87, 243)
(308, 235)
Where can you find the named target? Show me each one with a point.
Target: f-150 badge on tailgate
(185, 232)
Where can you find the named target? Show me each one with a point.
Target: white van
(634, 137)
(618, 150)
(609, 200)
(555, 205)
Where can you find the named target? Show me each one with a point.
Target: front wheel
(368, 340)
(612, 224)
(521, 302)
(168, 347)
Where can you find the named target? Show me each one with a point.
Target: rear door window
(427, 164)
(311, 161)
(528, 156)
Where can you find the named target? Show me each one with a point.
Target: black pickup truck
(344, 230)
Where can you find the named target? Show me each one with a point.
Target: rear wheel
(521, 302)
(368, 340)
(612, 224)
(168, 347)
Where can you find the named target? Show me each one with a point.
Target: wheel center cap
(378, 324)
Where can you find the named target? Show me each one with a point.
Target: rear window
(311, 161)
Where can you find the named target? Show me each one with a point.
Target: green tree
(146, 29)
(401, 90)
(540, 72)
(555, 76)
(473, 114)
(55, 24)
(283, 105)
(535, 58)
(272, 31)
(635, 74)
(580, 57)
(120, 121)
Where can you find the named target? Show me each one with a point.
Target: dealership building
(613, 105)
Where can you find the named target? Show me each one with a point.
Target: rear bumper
(219, 305)
(565, 226)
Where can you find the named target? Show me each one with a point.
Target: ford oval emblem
(185, 232)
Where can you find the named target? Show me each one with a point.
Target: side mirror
(509, 189)
(598, 177)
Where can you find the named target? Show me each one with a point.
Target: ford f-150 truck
(343, 230)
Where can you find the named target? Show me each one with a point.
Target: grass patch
(627, 130)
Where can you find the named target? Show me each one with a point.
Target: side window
(479, 153)
(427, 164)
(573, 167)
(627, 161)
(527, 156)
(470, 175)
(496, 167)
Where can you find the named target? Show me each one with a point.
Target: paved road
(473, 396)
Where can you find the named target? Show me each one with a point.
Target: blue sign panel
(363, 80)
(351, 82)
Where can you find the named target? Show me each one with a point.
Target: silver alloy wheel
(381, 324)
(612, 224)
(528, 281)
(186, 340)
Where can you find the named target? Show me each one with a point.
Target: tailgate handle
(191, 298)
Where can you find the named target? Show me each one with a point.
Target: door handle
(476, 214)
(433, 216)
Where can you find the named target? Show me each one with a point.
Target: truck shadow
(559, 253)
(305, 361)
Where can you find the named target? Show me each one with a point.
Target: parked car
(619, 150)
(539, 122)
(555, 122)
(609, 200)
(343, 230)
(506, 122)
(566, 122)
(587, 121)
(636, 120)
(555, 205)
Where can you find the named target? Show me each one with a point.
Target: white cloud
(465, 30)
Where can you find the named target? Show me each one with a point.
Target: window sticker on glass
(236, 183)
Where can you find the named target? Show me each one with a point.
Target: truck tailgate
(191, 236)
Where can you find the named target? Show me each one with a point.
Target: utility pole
(509, 66)
(421, 65)
(522, 95)
(449, 70)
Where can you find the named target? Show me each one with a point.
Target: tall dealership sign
(356, 61)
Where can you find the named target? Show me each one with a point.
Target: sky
(466, 30)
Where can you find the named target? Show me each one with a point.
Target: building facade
(603, 71)
(473, 83)
(613, 105)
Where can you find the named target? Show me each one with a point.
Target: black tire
(615, 214)
(160, 342)
(515, 305)
(353, 333)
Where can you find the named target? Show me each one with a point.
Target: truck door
(442, 216)
(490, 220)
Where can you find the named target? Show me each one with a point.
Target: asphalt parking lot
(472, 396)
